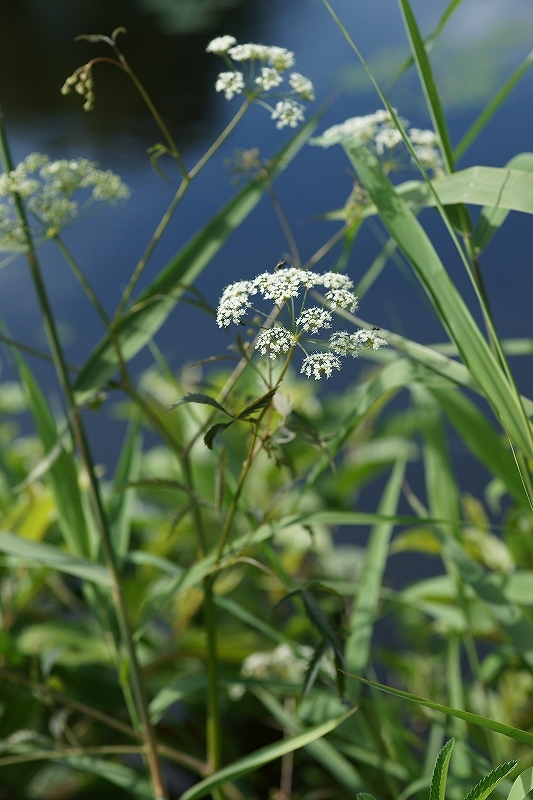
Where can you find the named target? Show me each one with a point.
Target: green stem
(74, 266)
(187, 178)
(80, 437)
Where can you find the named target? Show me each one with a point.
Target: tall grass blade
(425, 73)
(120, 505)
(63, 472)
(49, 556)
(481, 121)
(361, 625)
(252, 762)
(474, 719)
(451, 308)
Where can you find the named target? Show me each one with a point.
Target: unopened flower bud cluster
(297, 325)
(379, 131)
(47, 187)
(81, 82)
(256, 70)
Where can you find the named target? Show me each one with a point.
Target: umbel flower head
(298, 325)
(380, 133)
(47, 189)
(257, 71)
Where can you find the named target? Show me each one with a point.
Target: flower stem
(82, 444)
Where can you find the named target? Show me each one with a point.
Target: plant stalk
(82, 444)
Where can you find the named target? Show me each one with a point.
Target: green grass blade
(322, 751)
(487, 784)
(425, 74)
(361, 625)
(493, 217)
(157, 301)
(239, 612)
(252, 762)
(522, 786)
(481, 439)
(63, 471)
(430, 40)
(481, 121)
(437, 789)
(467, 716)
(120, 505)
(450, 306)
(49, 556)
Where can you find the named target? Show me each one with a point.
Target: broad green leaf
(322, 751)
(425, 74)
(437, 789)
(120, 505)
(522, 786)
(252, 762)
(361, 625)
(156, 302)
(49, 556)
(63, 472)
(492, 218)
(467, 716)
(450, 306)
(487, 784)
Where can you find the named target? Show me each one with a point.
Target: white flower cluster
(47, 188)
(295, 326)
(260, 71)
(379, 131)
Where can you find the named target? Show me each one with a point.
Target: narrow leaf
(467, 716)
(49, 556)
(252, 762)
(120, 505)
(437, 789)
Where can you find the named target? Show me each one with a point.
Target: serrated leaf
(209, 437)
(203, 399)
(261, 402)
(487, 784)
(437, 789)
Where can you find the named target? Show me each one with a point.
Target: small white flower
(274, 341)
(236, 691)
(318, 364)
(269, 78)
(342, 298)
(387, 139)
(280, 58)
(220, 45)
(249, 52)
(231, 83)
(302, 86)
(343, 343)
(280, 286)
(234, 302)
(335, 280)
(423, 137)
(288, 112)
(280, 664)
(369, 338)
(430, 158)
(313, 319)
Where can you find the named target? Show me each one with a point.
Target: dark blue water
(485, 41)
